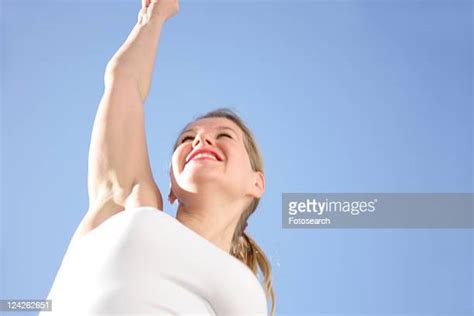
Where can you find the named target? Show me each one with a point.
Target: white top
(143, 261)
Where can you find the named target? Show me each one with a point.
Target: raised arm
(119, 171)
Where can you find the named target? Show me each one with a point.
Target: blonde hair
(243, 246)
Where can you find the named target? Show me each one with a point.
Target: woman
(129, 257)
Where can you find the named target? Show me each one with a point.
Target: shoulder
(125, 220)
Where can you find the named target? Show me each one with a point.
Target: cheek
(174, 171)
(240, 162)
(175, 161)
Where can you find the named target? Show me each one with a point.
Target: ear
(258, 187)
(171, 196)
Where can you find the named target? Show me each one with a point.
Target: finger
(145, 3)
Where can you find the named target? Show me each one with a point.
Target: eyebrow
(219, 127)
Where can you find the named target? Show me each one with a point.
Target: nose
(203, 139)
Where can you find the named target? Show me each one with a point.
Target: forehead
(213, 123)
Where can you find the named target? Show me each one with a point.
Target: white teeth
(207, 155)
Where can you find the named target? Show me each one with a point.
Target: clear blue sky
(343, 96)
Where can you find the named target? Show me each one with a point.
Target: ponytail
(246, 250)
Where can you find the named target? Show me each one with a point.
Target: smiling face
(211, 152)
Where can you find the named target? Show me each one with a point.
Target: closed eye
(191, 137)
(224, 134)
(186, 138)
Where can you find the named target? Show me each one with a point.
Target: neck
(214, 220)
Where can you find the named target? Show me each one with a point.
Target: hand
(160, 9)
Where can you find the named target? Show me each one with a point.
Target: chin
(195, 178)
